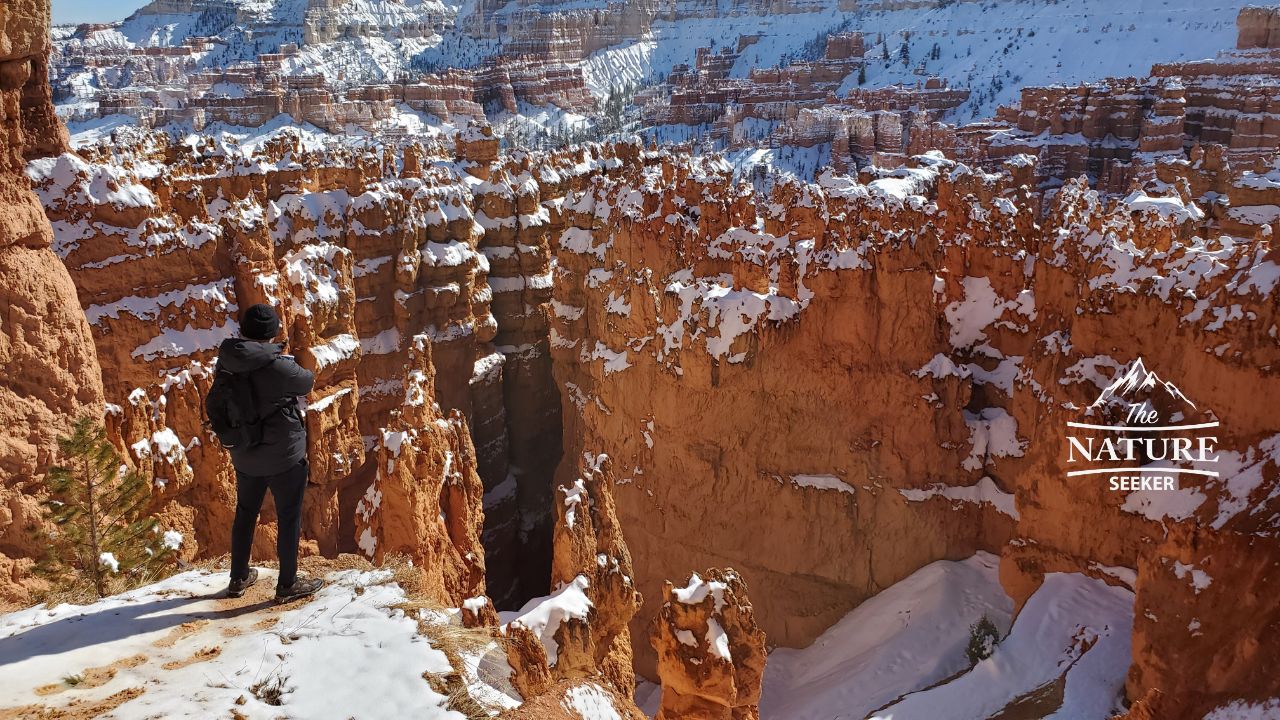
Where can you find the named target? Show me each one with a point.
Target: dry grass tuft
(318, 566)
(459, 700)
(270, 690)
(445, 633)
(81, 591)
(456, 639)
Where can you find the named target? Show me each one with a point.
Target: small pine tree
(862, 75)
(96, 503)
(983, 638)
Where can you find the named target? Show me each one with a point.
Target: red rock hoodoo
(403, 283)
(711, 653)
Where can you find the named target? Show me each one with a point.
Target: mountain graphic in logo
(1142, 437)
(1134, 381)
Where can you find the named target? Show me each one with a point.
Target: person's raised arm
(294, 379)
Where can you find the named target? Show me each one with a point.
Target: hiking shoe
(301, 587)
(236, 588)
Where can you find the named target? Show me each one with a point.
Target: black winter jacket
(277, 383)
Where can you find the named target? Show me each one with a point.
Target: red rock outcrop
(944, 324)
(251, 94)
(802, 104)
(426, 498)
(51, 372)
(878, 368)
(800, 101)
(579, 635)
(380, 265)
(590, 551)
(1259, 27)
(1122, 132)
(711, 653)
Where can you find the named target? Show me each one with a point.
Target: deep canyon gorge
(709, 419)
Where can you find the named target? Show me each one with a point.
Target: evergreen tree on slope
(97, 505)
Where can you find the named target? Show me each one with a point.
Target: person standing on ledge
(253, 409)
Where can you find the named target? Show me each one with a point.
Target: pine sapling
(97, 505)
(983, 638)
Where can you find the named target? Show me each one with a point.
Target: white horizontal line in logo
(1100, 471)
(1139, 428)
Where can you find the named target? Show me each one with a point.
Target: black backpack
(233, 411)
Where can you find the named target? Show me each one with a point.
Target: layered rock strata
(380, 264)
(51, 374)
(882, 369)
(798, 105)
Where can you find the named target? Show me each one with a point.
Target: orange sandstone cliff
(859, 376)
(51, 373)
(593, 372)
(399, 271)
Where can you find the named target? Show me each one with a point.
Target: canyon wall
(51, 372)
(881, 370)
(405, 279)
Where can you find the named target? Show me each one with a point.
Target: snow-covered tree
(97, 506)
(983, 638)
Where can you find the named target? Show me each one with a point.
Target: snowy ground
(876, 660)
(909, 636)
(901, 654)
(177, 649)
(1072, 637)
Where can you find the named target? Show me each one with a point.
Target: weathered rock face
(800, 102)
(1122, 132)
(878, 369)
(1229, 649)
(575, 645)
(327, 20)
(882, 371)
(263, 94)
(711, 653)
(51, 372)
(617, 321)
(1259, 27)
(380, 265)
(591, 554)
(426, 498)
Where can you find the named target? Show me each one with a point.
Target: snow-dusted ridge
(993, 48)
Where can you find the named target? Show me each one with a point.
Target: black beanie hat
(260, 322)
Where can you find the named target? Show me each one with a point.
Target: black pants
(287, 488)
